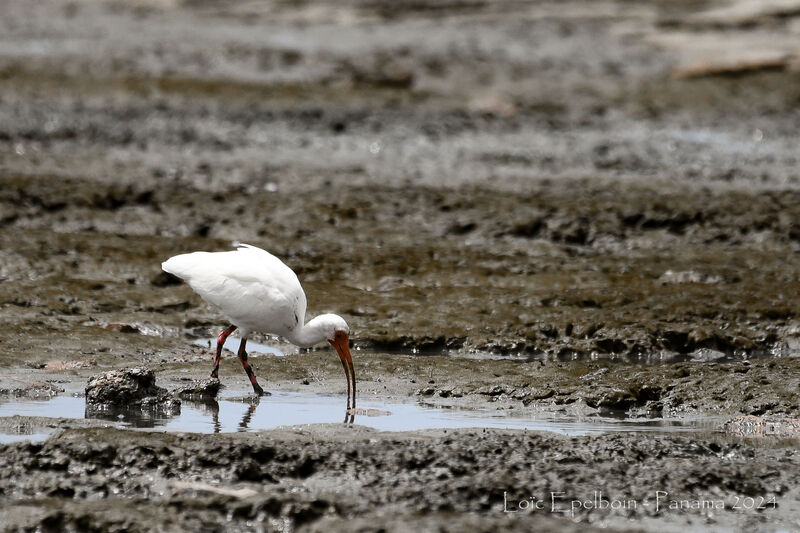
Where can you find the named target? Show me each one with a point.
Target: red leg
(248, 369)
(220, 343)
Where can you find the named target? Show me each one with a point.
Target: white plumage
(256, 291)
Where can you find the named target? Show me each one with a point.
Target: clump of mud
(204, 389)
(130, 388)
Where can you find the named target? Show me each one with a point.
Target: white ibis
(256, 291)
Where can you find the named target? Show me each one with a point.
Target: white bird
(256, 291)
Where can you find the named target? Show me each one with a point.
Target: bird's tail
(180, 265)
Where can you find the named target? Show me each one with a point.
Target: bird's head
(337, 333)
(328, 325)
(334, 329)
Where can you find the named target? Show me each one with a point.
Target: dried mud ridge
(98, 479)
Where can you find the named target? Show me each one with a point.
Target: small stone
(205, 389)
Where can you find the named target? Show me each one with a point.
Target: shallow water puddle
(230, 414)
(8, 438)
(232, 344)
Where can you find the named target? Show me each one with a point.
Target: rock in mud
(132, 387)
(204, 389)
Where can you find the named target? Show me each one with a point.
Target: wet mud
(578, 208)
(330, 477)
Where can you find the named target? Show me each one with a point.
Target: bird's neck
(308, 334)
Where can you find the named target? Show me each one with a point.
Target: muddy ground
(574, 207)
(323, 479)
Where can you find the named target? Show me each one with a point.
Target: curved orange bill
(342, 346)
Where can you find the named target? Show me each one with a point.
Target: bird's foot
(259, 391)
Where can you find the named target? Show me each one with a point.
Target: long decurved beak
(342, 346)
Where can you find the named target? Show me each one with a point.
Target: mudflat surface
(335, 478)
(551, 207)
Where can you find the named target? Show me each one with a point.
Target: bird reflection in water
(244, 425)
(211, 407)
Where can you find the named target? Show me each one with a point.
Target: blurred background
(561, 179)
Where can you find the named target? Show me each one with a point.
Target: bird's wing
(252, 287)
